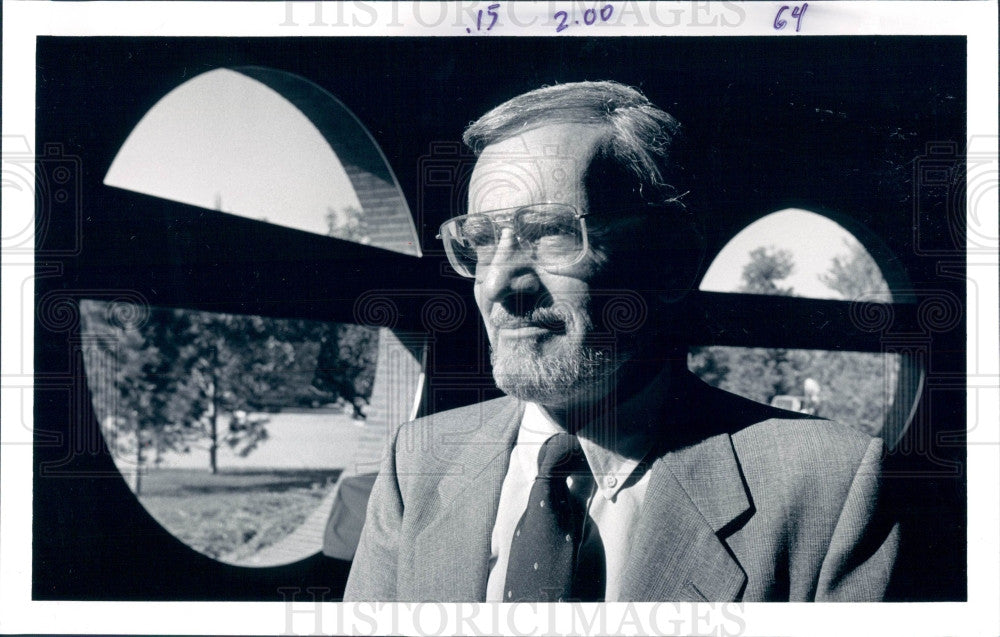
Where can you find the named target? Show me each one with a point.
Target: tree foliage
(855, 274)
(856, 387)
(350, 224)
(766, 269)
(184, 379)
(346, 364)
(756, 373)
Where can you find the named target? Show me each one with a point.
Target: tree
(762, 373)
(346, 364)
(756, 373)
(350, 224)
(241, 365)
(855, 274)
(181, 374)
(856, 386)
(184, 378)
(862, 383)
(766, 268)
(137, 408)
(348, 353)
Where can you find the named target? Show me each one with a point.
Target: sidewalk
(303, 542)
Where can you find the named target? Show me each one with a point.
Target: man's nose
(509, 273)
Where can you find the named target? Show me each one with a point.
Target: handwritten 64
(797, 13)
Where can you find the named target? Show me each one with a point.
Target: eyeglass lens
(549, 234)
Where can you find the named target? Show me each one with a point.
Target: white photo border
(24, 21)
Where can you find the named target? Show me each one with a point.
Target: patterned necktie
(546, 543)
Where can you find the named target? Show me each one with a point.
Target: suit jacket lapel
(695, 495)
(452, 550)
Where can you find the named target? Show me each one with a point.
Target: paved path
(303, 542)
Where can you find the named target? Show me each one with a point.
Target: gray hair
(641, 138)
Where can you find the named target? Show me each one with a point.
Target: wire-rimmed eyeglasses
(551, 235)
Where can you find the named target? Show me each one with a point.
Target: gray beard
(581, 374)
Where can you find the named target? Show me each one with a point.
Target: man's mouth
(537, 323)
(526, 331)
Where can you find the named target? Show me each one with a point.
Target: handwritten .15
(491, 11)
(797, 13)
(589, 17)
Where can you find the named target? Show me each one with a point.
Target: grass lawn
(233, 512)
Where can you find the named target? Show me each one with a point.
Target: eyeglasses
(551, 235)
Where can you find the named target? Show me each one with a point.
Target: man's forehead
(542, 164)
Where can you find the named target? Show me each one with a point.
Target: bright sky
(225, 134)
(813, 240)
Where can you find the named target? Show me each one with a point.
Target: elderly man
(608, 473)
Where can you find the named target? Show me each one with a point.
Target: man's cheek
(491, 335)
(484, 313)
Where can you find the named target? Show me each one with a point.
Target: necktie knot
(561, 456)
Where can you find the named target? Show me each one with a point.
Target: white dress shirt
(615, 455)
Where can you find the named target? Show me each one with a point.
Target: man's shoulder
(811, 461)
(806, 437)
(483, 424)
(779, 451)
(759, 429)
(460, 418)
(452, 444)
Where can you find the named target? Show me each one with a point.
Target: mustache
(552, 318)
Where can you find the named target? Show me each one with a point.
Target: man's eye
(478, 232)
(545, 228)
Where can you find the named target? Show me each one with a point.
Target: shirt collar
(617, 444)
(536, 426)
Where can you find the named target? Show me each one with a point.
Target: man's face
(540, 320)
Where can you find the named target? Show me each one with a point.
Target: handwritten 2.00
(590, 16)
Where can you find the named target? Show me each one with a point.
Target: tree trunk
(138, 460)
(214, 433)
(213, 445)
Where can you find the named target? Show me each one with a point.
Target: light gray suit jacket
(741, 506)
